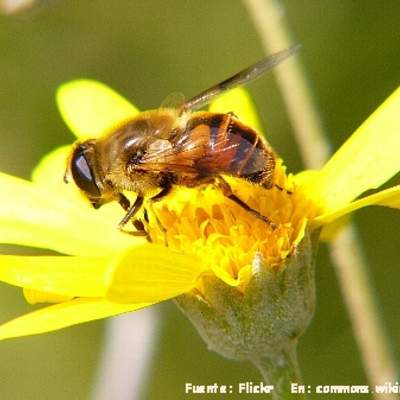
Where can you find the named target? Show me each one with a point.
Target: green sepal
(264, 322)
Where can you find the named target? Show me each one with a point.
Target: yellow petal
(62, 315)
(32, 216)
(367, 160)
(49, 173)
(239, 102)
(225, 276)
(152, 273)
(307, 178)
(62, 275)
(389, 198)
(330, 231)
(90, 108)
(48, 176)
(37, 297)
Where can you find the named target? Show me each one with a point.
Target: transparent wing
(202, 151)
(241, 78)
(187, 152)
(174, 100)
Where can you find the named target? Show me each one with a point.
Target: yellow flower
(104, 272)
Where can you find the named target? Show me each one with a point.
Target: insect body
(175, 146)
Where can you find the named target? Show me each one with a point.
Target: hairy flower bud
(264, 320)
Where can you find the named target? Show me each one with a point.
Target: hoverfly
(163, 148)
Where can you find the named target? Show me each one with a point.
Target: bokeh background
(147, 49)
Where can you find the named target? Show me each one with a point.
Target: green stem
(282, 371)
(368, 325)
(269, 20)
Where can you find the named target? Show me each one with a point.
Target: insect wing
(207, 150)
(241, 78)
(178, 155)
(174, 100)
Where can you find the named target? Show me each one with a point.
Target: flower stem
(367, 323)
(268, 18)
(351, 268)
(125, 363)
(281, 371)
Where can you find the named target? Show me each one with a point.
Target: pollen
(227, 237)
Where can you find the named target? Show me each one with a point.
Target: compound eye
(83, 174)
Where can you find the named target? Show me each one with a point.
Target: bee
(171, 146)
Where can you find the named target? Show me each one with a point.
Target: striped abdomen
(229, 147)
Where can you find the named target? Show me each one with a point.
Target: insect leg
(132, 210)
(270, 185)
(139, 225)
(159, 196)
(280, 188)
(227, 191)
(124, 202)
(232, 114)
(164, 191)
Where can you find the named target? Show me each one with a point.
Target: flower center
(204, 222)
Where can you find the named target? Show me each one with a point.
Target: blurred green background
(147, 49)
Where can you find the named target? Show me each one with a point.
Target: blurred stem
(126, 356)
(281, 371)
(351, 269)
(267, 16)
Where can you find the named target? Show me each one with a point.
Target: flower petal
(36, 297)
(152, 273)
(69, 276)
(49, 172)
(389, 198)
(32, 216)
(225, 276)
(367, 160)
(90, 108)
(62, 315)
(239, 102)
(307, 178)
